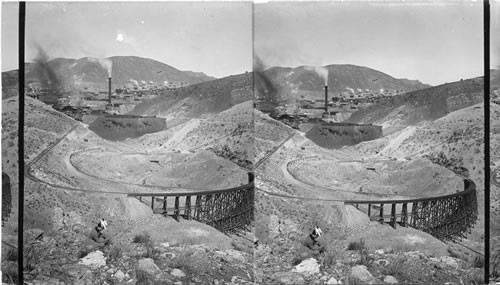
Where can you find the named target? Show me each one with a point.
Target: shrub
(141, 238)
(10, 273)
(328, 257)
(83, 252)
(115, 253)
(478, 261)
(184, 261)
(151, 251)
(12, 255)
(356, 245)
(360, 247)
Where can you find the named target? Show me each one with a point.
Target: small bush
(356, 245)
(83, 252)
(184, 261)
(151, 251)
(328, 257)
(396, 268)
(141, 238)
(478, 261)
(115, 253)
(360, 247)
(144, 278)
(12, 255)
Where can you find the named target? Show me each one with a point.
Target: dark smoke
(266, 92)
(43, 71)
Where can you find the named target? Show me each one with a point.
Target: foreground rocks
(62, 259)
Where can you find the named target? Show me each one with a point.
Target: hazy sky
(433, 43)
(214, 37)
(495, 35)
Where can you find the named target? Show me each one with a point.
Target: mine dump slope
(84, 72)
(454, 141)
(337, 135)
(196, 100)
(340, 76)
(422, 105)
(117, 128)
(228, 134)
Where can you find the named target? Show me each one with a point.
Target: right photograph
(369, 143)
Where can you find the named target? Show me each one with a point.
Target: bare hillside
(423, 105)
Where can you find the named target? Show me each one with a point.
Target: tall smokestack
(326, 99)
(109, 89)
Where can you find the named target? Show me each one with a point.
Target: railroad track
(262, 160)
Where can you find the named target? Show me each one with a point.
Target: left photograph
(138, 142)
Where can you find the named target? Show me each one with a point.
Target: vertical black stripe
(486, 17)
(20, 143)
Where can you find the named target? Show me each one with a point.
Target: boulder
(390, 280)
(177, 273)
(288, 278)
(94, 259)
(119, 275)
(333, 281)
(307, 267)
(360, 275)
(449, 261)
(147, 265)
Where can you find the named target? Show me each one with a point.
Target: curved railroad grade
(337, 190)
(148, 186)
(229, 210)
(448, 217)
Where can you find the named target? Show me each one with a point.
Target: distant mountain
(341, 76)
(195, 100)
(278, 84)
(88, 72)
(422, 105)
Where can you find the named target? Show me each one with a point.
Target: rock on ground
(289, 278)
(148, 266)
(94, 259)
(307, 267)
(177, 273)
(390, 280)
(360, 275)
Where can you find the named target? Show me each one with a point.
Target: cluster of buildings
(77, 102)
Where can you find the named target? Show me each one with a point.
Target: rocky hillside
(423, 105)
(196, 100)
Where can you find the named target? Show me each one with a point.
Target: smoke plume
(106, 63)
(46, 75)
(321, 71)
(266, 91)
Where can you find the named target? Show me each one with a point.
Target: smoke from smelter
(44, 72)
(266, 91)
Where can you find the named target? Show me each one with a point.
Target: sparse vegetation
(141, 238)
(114, 253)
(362, 250)
(454, 164)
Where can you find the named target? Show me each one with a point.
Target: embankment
(336, 135)
(121, 127)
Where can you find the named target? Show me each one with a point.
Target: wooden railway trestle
(447, 218)
(227, 210)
